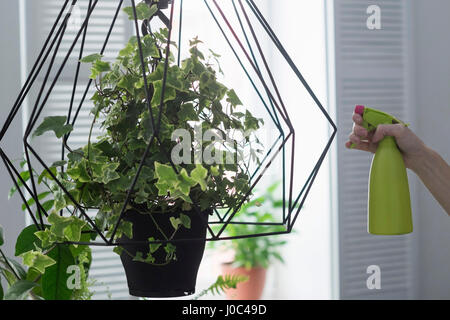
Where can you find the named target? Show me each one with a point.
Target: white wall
(432, 67)
(307, 273)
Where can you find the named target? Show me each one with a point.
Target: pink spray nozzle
(360, 110)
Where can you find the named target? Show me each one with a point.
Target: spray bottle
(389, 205)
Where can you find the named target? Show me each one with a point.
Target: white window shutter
(372, 69)
(106, 269)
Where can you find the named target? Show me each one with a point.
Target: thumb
(393, 130)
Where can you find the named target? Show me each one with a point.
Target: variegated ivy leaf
(47, 237)
(57, 124)
(185, 221)
(185, 182)
(68, 228)
(37, 260)
(143, 11)
(199, 175)
(167, 178)
(175, 222)
(105, 172)
(153, 246)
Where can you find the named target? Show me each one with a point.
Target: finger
(358, 119)
(363, 146)
(354, 138)
(360, 131)
(393, 130)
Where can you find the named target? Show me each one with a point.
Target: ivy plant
(126, 108)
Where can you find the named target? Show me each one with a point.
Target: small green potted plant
(170, 201)
(251, 257)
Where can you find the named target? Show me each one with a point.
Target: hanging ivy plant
(98, 176)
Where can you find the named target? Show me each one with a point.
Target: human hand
(412, 148)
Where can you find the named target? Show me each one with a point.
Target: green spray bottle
(389, 203)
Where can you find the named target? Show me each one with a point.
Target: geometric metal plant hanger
(292, 204)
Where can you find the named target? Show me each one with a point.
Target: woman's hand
(412, 148)
(432, 169)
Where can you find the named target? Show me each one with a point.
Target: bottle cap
(360, 110)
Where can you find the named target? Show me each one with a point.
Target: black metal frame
(276, 110)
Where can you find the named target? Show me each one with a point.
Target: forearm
(435, 174)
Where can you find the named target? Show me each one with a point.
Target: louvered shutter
(106, 269)
(371, 69)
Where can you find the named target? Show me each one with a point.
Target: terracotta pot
(251, 289)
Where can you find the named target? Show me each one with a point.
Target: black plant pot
(178, 278)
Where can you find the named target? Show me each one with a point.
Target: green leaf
(127, 83)
(79, 249)
(178, 194)
(98, 67)
(251, 123)
(197, 53)
(27, 240)
(149, 48)
(130, 47)
(186, 206)
(166, 175)
(9, 276)
(1, 291)
(233, 98)
(60, 163)
(154, 246)
(187, 113)
(91, 58)
(47, 237)
(215, 171)
(76, 155)
(20, 290)
(199, 175)
(119, 185)
(185, 182)
(31, 201)
(46, 175)
(2, 239)
(126, 227)
(37, 260)
(73, 231)
(194, 42)
(58, 224)
(185, 221)
(18, 268)
(118, 250)
(57, 124)
(143, 11)
(175, 222)
(170, 250)
(32, 275)
(105, 172)
(68, 228)
(54, 281)
(79, 171)
(169, 93)
(25, 176)
(48, 205)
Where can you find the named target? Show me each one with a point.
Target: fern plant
(223, 283)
